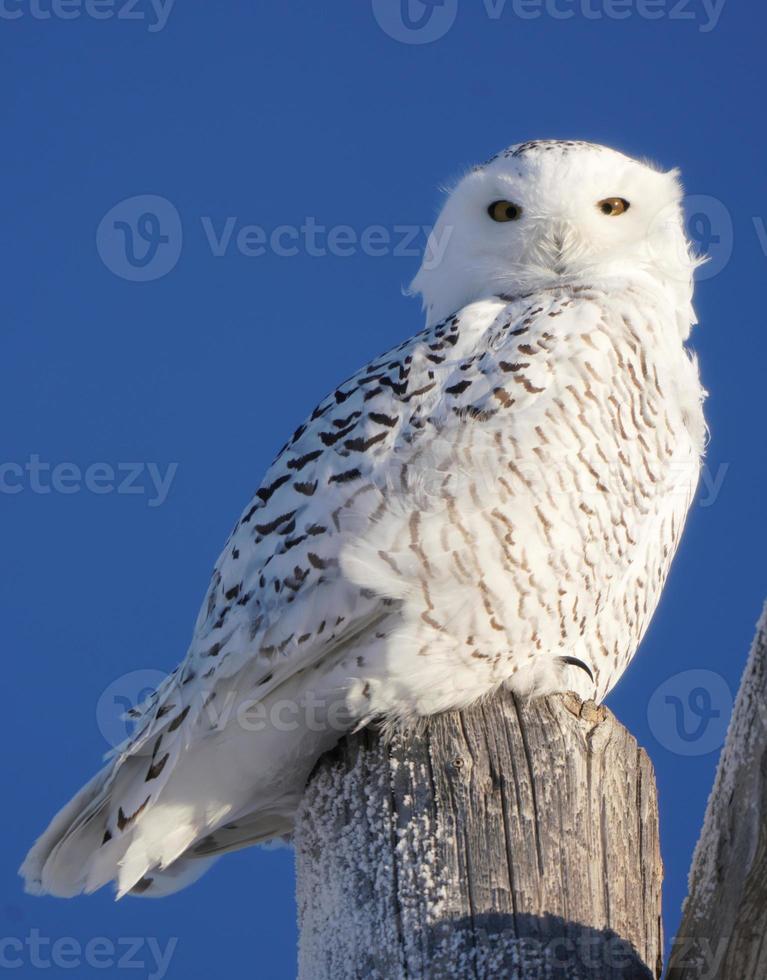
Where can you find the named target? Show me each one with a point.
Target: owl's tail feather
(185, 788)
(259, 828)
(86, 843)
(57, 863)
(77, 854)
(91, 840)
(71, 858)
(228, 791)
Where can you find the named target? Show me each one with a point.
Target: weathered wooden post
(511, 840)
(723, 935)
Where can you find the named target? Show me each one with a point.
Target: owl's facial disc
(548, 214)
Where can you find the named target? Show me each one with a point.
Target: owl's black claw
(575, 662)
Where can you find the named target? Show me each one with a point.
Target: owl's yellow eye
(504, 211)
(613, 206)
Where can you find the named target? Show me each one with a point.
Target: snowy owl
(496, 501)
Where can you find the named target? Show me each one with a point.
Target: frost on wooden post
(724, 921)
(514, 839)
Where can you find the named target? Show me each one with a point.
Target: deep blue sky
(273, 114)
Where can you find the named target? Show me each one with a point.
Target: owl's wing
(276, 602)
(280, 598)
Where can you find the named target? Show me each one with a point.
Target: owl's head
(555, 212)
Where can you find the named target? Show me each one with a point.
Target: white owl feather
(495, 501)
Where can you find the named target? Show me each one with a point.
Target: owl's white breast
(539, 519)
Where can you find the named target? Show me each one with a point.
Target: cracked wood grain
(723, 934)
(514, 839)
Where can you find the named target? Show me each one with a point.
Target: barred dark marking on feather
(124, 821)
(142, 885)
(345, 477)
(179, 719)
(156, 768)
